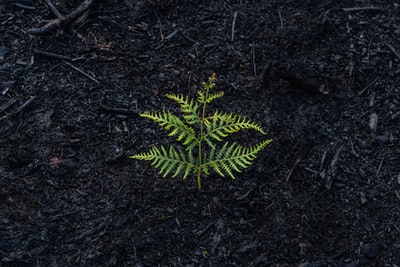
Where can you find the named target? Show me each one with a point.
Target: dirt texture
(322, 77)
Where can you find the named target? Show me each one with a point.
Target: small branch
(25, 6)
(81, 71)
(123, 111)
(48, 54)
(292, 169)
(365, 8)
(24, 105)
(62, 21)
(280, 19)
(332, 171)
(380, 166)
(161, 30)
(79, 10)
(368, 86)
(8, 104)
(391, 48)
(233, 26)
(54, 9)
(253, 48)
(171, 35)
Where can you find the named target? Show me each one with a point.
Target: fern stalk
(207, 87)
(200, 144)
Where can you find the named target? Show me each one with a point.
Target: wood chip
(373, 121)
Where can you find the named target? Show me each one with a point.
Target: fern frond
(194, 130)
(220, 125)
(188, 106)
(175, 126)
(167, 161)
(202, 98)
(232, 157)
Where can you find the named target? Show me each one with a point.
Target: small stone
(373, 122)
(248, 248)
(3, 52)
(149, 131)
(350, 264)
(369, 250)
(138, 264)
(6, 86)
(363, 198)
(383, 138)
(313, 264)
(162, 77)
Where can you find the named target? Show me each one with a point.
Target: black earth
(322, 77)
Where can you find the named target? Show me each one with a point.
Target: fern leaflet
(233, 157)
(169, 160)
(220, 125)
(203, 99)
(175, 126)
(188, 107)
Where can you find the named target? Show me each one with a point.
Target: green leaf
(220, 125)
(189, 107)
(167, 161)
(233, 157)
(175, 126)
(202, 98)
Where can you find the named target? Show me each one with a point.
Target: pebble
(3, 52)
(6, 86)
(382, 138)
(149, 131)
(313, 264)
(369, 250)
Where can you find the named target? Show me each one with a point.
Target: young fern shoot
(201, 136)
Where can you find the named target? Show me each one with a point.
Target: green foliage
(201, 138)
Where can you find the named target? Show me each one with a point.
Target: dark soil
(322, 79)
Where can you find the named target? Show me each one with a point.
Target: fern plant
(201, 137)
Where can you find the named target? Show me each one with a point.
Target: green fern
(201, 136)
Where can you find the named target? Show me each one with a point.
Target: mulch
(321, 78)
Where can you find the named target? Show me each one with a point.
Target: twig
(161, 30)
(81, 71)
(350, 9)
(242, 197)
(54, 9)
(321, 165)
(233, 26)
(171, 35)
(332, 168)
(48, 54)
(292, 169)
(368, 86)
(25, 6)
(63, 20)
(123, 111)
(24, 105)
(190, 39)
(280, 19)
(253, 48)
(391, 48)
(380, 166)
(8, 104)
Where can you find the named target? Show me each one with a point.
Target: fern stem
(201, 137)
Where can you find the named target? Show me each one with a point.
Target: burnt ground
(321, 78)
